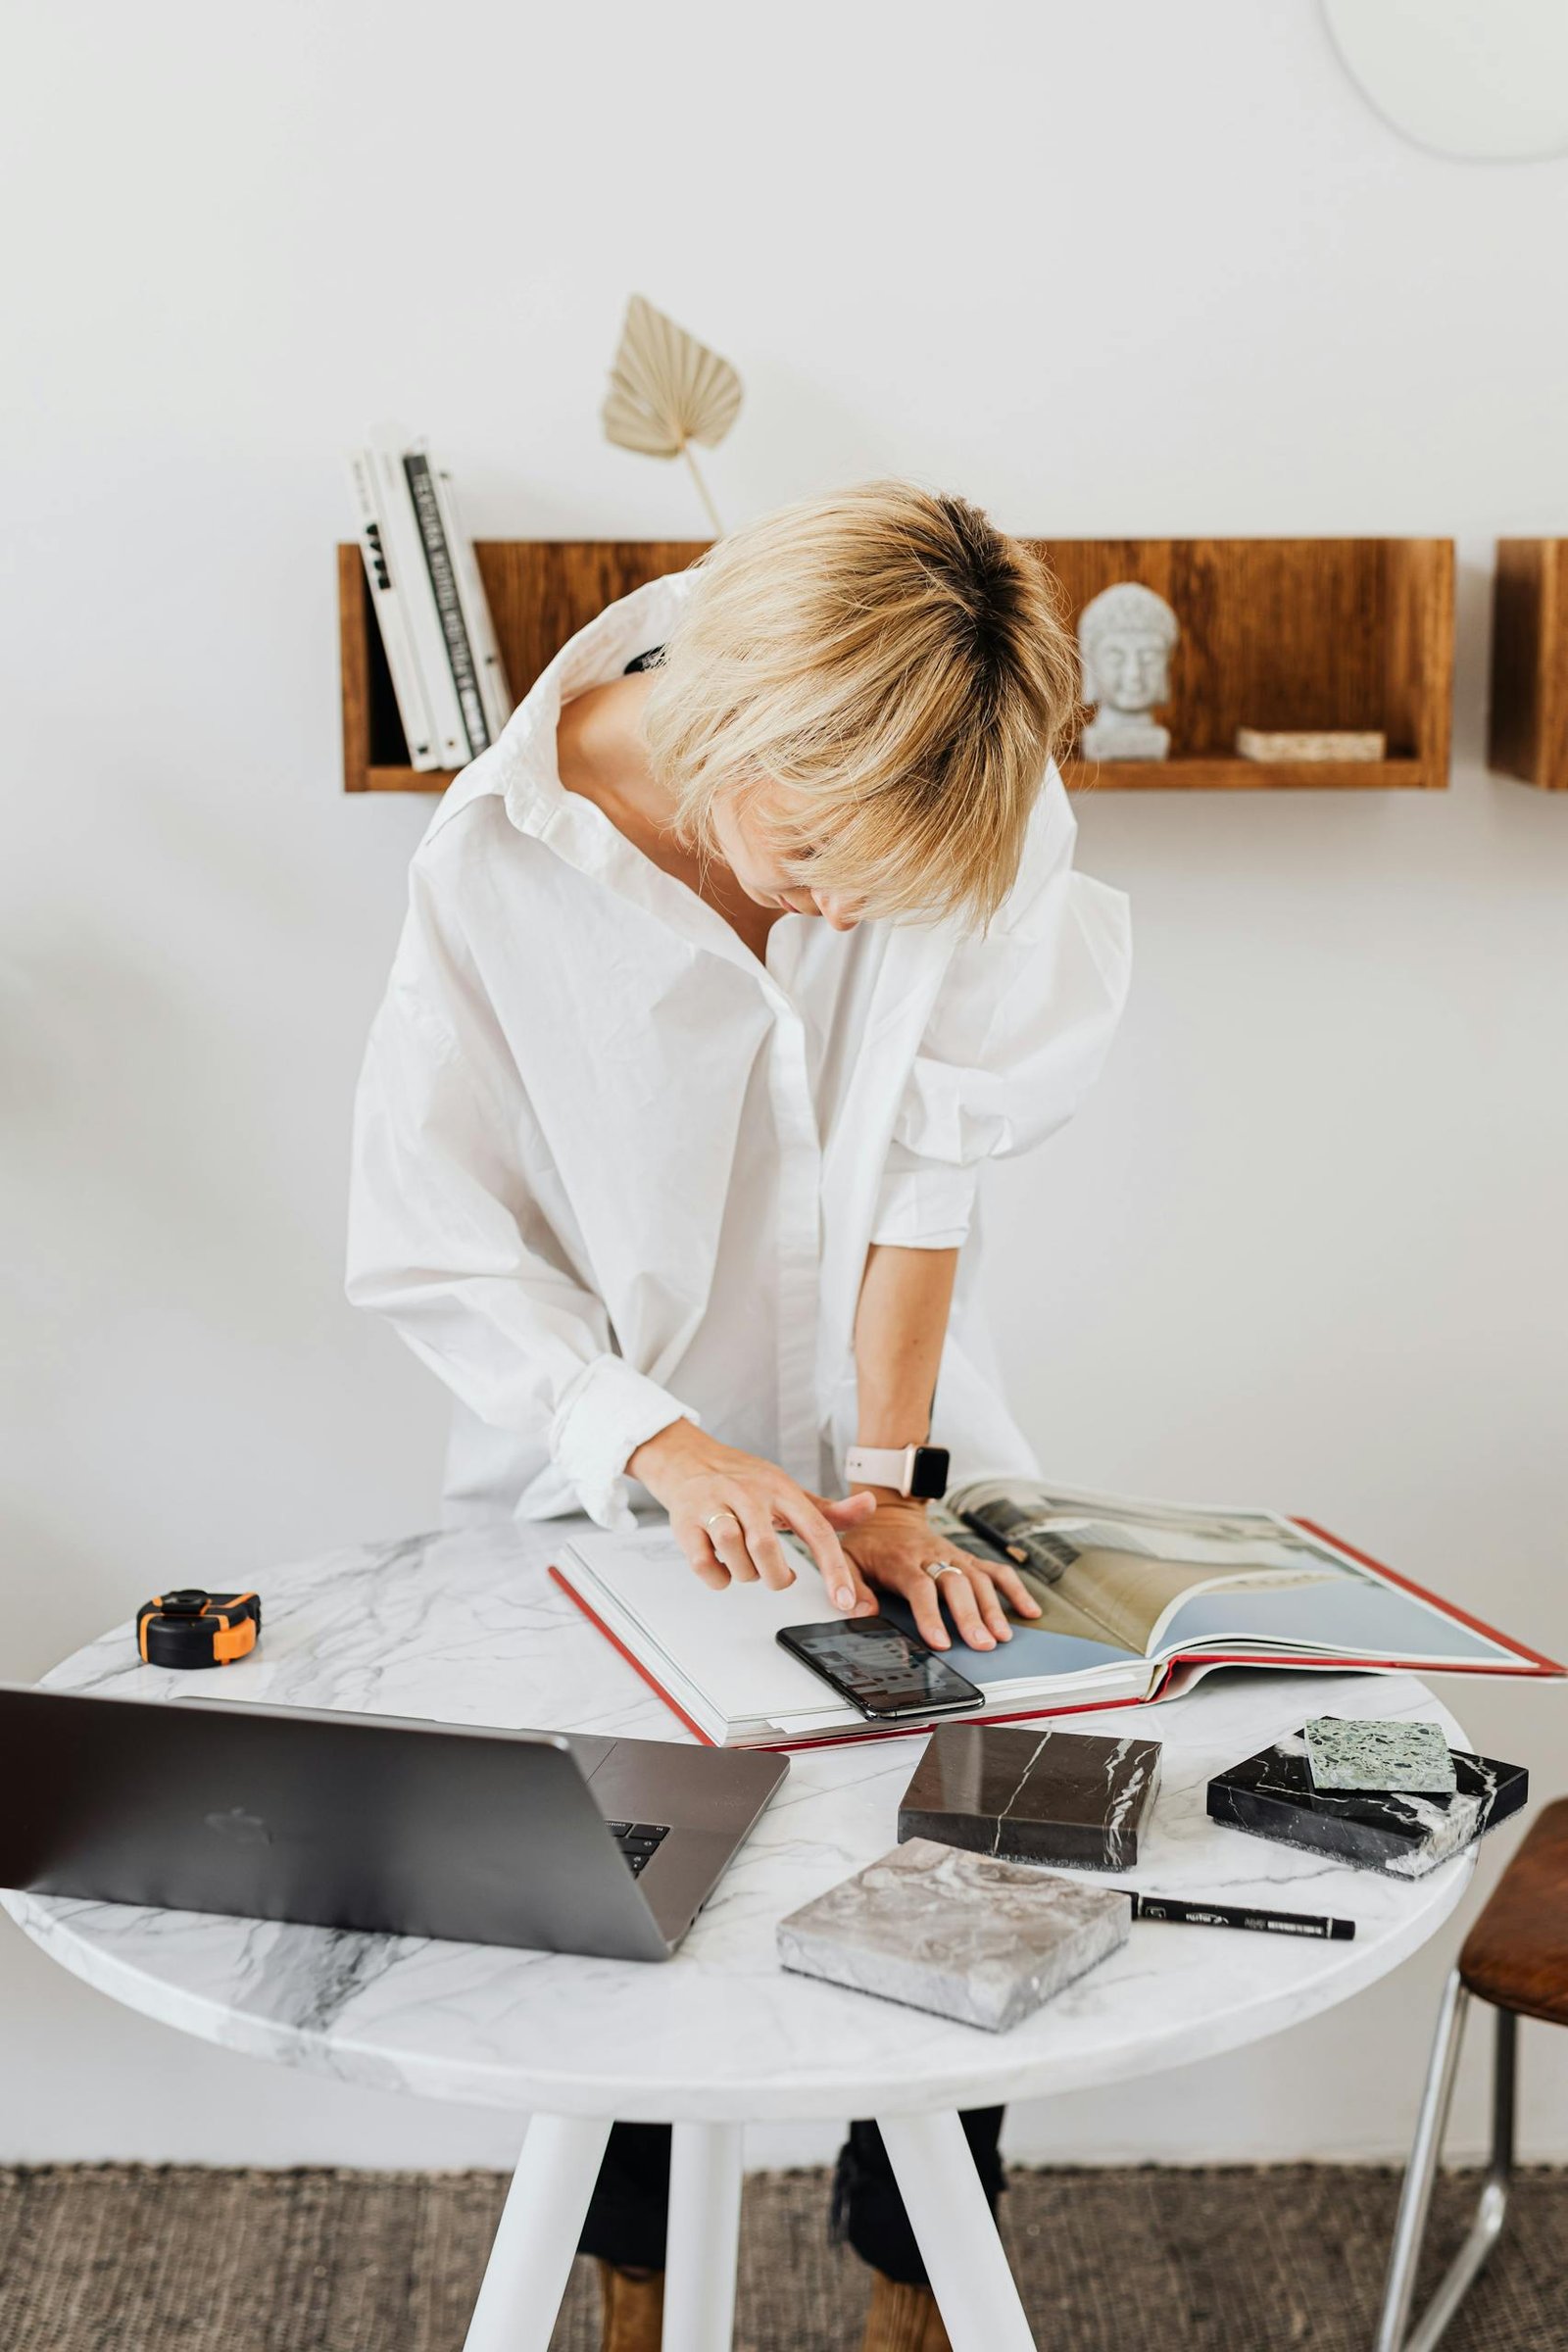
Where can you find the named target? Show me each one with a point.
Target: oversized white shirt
(610, 1167)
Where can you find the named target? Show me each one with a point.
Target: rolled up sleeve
(447, 1240)
(921, 1206)
(603, 1416)
(1019, 1035)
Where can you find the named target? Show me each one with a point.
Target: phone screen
(879, 1668)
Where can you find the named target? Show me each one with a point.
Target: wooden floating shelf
(1243, 775)
(1281, 634)
(1527, 734)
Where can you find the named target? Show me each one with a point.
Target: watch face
(930, 1478)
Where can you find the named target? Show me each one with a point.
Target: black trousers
(631, 2206)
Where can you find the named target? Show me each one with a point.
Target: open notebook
(1137, 1599)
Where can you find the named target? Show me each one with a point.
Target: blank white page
(723, 1643)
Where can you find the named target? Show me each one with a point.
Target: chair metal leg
(1410, 2227)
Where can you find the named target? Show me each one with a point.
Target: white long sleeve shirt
(611, 1168)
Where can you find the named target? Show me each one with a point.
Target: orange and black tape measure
(193, 1628)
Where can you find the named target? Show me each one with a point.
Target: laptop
(372, 1821)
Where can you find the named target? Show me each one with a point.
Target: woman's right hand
(725, 1508)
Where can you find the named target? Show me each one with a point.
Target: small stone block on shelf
(1347, 1754)
(981, 1941)
(1311, 743)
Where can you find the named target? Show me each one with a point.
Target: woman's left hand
(898, 1552)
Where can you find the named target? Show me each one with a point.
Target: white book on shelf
(411, 568)
(386, 603)
(440, 563)
(494, 689)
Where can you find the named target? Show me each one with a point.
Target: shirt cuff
(606, 1412)
(925, 1208)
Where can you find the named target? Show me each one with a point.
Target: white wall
(1143, 269)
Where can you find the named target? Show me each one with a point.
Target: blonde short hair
(895, 665)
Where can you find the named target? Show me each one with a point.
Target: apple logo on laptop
(245, 1828)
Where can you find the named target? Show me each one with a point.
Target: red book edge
(1537, 1665)
(1445, 1609)
(635, 1663)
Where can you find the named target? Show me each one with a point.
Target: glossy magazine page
(1155, 1580)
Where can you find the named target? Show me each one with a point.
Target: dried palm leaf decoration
(666, 390)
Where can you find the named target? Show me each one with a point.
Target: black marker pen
(1228, 1915)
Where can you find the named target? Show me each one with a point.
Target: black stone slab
(1033, 1796)
(1272, 1796)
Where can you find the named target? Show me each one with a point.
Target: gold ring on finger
(712, 1516)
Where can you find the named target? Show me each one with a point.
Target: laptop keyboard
(639, 1841)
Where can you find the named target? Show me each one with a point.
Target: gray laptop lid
(333, 1820)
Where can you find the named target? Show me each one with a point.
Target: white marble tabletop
(465, 1627)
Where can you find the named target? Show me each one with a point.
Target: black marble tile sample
(1272, 1795)
(1033, 1794)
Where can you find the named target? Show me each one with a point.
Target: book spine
(387, 605)
(418, 602)
(494, 690)
(442, 574)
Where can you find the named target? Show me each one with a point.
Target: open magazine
(1136, 1598)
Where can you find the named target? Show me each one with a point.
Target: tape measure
(192, 1627)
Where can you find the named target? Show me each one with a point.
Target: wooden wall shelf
(1527, 733)
(1276, 633)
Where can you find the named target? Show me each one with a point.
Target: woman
(725, 971)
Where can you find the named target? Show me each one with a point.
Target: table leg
(956, 2234)
(540, 2225)
(704, 2224)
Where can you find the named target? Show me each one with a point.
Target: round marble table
(465, 1627)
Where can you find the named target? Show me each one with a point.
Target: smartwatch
(919, 1470)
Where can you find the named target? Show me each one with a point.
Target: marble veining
(959, 1934)
(1075, 1799)
(1405, 1833)
(464, 1626)
(1344, 1755)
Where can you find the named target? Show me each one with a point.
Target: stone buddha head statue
(1125, 639)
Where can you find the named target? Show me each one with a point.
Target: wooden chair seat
(1517, 1955)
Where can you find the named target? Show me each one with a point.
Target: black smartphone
(880, 1669)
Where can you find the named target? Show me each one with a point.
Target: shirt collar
(525, 754)
(528, 778)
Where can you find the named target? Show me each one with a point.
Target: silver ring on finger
(937, 1574)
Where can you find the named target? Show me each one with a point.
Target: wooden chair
(1516, 1957)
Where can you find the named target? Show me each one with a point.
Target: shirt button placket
(799, 1244)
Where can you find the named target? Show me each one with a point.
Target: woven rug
(125, 2259)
